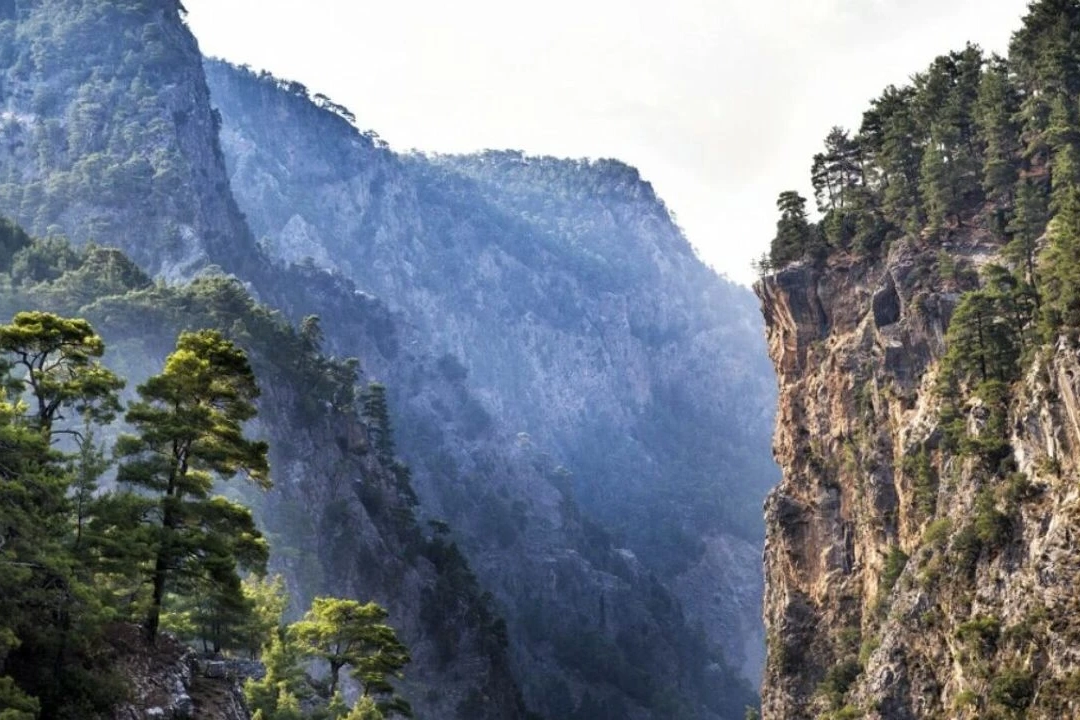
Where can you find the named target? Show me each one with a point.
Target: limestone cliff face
(902, 579)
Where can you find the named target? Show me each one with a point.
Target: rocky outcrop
(903, 578)
(168, 681)
(103, 144)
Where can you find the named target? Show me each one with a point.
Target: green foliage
(50, 612)
(895, 562)
(376, 411)
(189, 423)
(57, 360)
(1060, 270)
(924, 481)
(837, 173)
(1013, 688)
(937, 533)
(982, 633)
(12, 239)
(74, 559)
(346, 633)
(15, 704)
(966, 549)
(996, 112)
(793, 232)
(365, 709)
(992, 527)
(838, 680)
(284, 682)
(267, 601)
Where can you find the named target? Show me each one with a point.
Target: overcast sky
(719, 103)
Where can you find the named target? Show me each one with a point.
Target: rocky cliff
(904, 578)
(920, 552)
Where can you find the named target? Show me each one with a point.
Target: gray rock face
(167, 684)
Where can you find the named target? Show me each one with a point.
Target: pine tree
(1046, 58)
(1030, 215)
(348, 633)
(837, 171)
(937, 185)
(189, 422)
(376, 411)
(793, 232)
(889, 135)
(998, 105)
(1060, 270)
(56, 357)
(48, 366)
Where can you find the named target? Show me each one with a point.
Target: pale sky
(719, 103)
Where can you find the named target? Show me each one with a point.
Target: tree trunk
(161, 570)
(335, 668)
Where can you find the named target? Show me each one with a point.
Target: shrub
(894, 566)
(838, 679)
(1012, 689)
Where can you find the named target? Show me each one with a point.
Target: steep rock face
(903, 578)
(570, 306)
(105, 144)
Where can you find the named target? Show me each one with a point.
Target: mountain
(919, 552)
(581, 404)
(572, 304)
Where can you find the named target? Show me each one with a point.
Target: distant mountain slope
(576, 310)
(107, 135)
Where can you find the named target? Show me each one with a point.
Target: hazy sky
(719, 103)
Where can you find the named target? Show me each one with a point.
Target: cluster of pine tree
(102, 530)
(73, 559)
(973, 142)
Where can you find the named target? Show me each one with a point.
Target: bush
(1013, 689)
(937, 532)
(981, 632)
(838, 680)
(966, 549)
(991, 526)
(894, 566)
